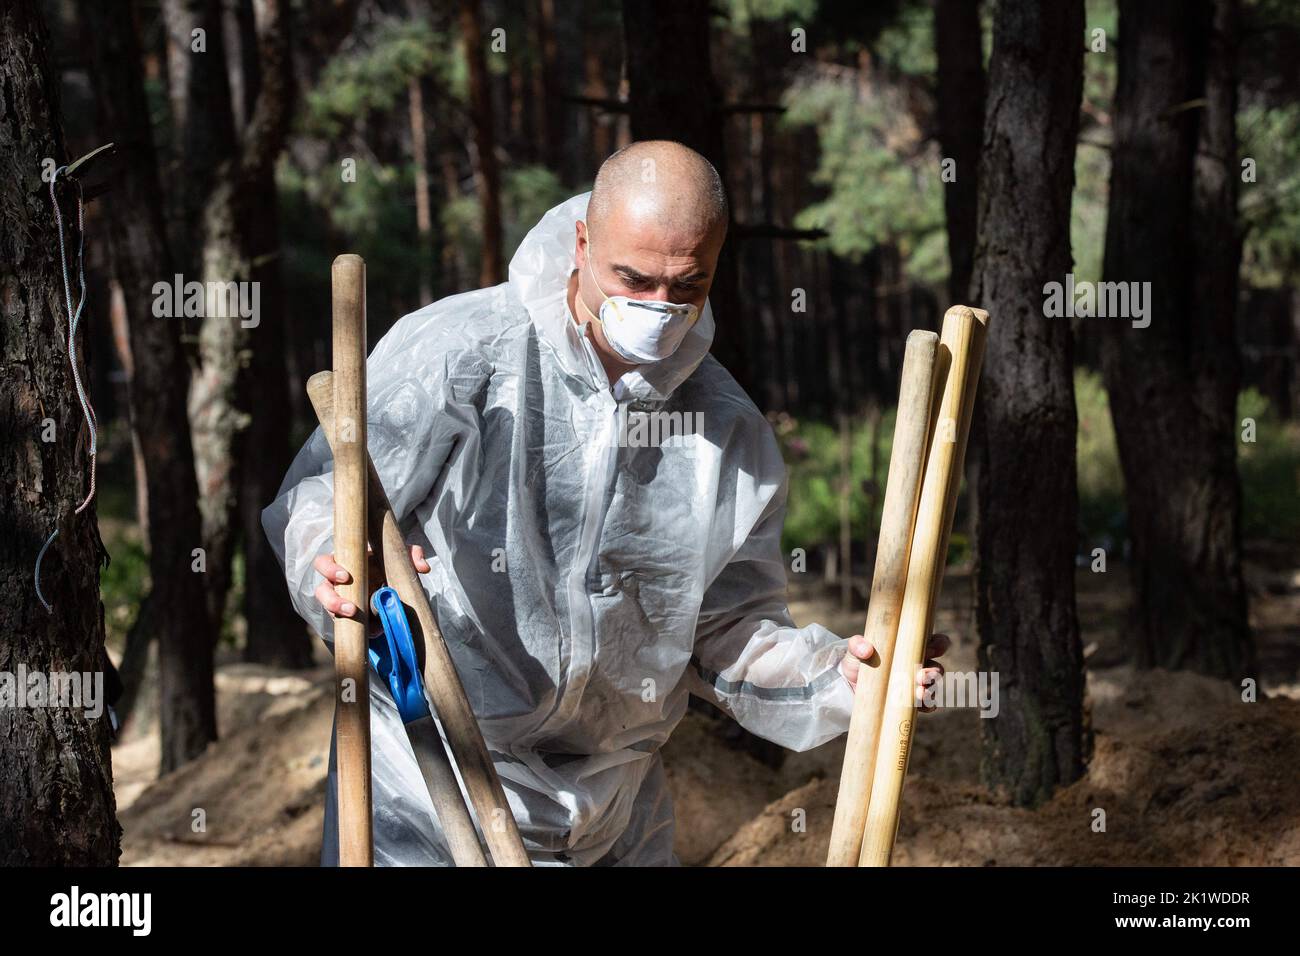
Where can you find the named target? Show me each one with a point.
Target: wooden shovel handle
(902, 492)
(441, 681)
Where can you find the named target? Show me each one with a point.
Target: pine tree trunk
(174, 608)
(1024, 466)
(545, 80)
(423, 206)
(203, 122)
(221, 394)
(682, 105)
(1173, 384)
(487, 174)
(205, 146)
(960, 97)
(276, 634)
(56, 802)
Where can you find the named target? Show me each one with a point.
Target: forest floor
(1185, 772)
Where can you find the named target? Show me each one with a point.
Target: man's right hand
(335, 574)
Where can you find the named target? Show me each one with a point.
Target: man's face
(637, 257)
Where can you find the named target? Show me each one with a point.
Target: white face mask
(641, 330)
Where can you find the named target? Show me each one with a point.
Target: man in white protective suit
(595, 509)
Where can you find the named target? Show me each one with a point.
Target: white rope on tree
(74, 319)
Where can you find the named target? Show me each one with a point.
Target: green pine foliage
(883, 184)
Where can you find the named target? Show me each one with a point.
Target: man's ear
(580, 243)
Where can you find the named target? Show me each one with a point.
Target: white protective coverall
(584, 587)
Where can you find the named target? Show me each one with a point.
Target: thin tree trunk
(846, 514)
(510, 88)
(178, 19)
(545, 94)
(122, 346)
(220, 394)
(423, 208)
(206, 143)
(682, 105)
(56, 804)
(242, 68)
(275, 634)
(1024, 467)
(594, 87)
(174, 607)
(1173, 384)
(202, 113)
(961, 112)
(487, 174)
(454, 268)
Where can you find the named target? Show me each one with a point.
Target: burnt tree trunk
(1173, 384)
(1024, 442)
(56, 802)
(174, 609)
(682, 105)
(960, 99)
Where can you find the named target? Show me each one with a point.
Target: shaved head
(661, 182)
(655, 225)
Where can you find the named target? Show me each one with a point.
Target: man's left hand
(860, 649)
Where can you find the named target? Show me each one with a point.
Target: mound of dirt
(256, 797)
(1185, 772)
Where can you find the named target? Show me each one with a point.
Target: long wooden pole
(351, 661)
(386, 539)
(441, 680)
(448, 802)
(963, 341)
(902, 492)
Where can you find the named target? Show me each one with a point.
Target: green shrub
(812, 454)
(1270, 471)
(1269, 468)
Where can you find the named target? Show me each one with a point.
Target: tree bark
(221, 392)
(487, 173)
(423, 206)
(1173, 384)
(56, 804)
(275, 635)
(682, 105)
(122, 347)
(455, 271)
(174, 607)
(202, 113)
(960, 99)
(205, 144)
(545, 77)
(1024, 466)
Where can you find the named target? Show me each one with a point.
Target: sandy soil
(256, 797)
(1186, 773)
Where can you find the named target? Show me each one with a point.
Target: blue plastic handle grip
(393, 656)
